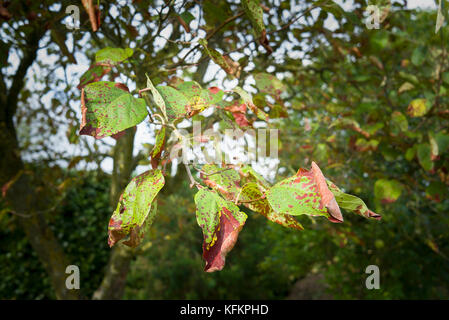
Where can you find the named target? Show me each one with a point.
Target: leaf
(227, 64)
(249, 102)
(251, 192)
(251, 175)
(406, 86)
(108, 108)
(176, 104)
(158, 99)
(305, 193)
(440, 18)
(224, 180)
(93, 74)
(387, 191)
(135, 207)
(399, 122)
(199, 98)
(419, 55)
(424, 153)
(113, 55)
(221, 222)
(418, 108)
(158, 147)
(269, 84)
(351, 203)
(184, 19)
(254, 12)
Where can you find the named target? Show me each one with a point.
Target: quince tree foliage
(108, 108)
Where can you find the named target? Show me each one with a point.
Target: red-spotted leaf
(134, 208)
(176, 104)
(351, 203)
(254, 12)
(305, 193)
(108, 108)
(269, 84)
(158, 147)
(113, 56)
(93, 74)
(199, 98)
(253, 198)
(221, 222)
(226, 181)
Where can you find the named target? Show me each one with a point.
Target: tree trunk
(17, 185)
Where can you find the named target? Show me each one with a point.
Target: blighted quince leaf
(227, 182)
(176, 104)
(221, 222)
(351, 203)
(253, 198)
(387, 191)
(108, 108)
(158, 147)
(199, 98)
(113, 55)
(305, 193)
(93, 74)
(254, 12)
(418, 108)
(134, 207)
(269, 84)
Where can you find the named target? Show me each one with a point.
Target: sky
(144, 132)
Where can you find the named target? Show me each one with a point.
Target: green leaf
(158, 99)
(387, 191)
(134, 208)
(351, 203)
(254, 12)
(399, 122)
(419, 55)
(230, 67)
(108, 108)
(424, 153)
(113, 55)
(304, 193)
